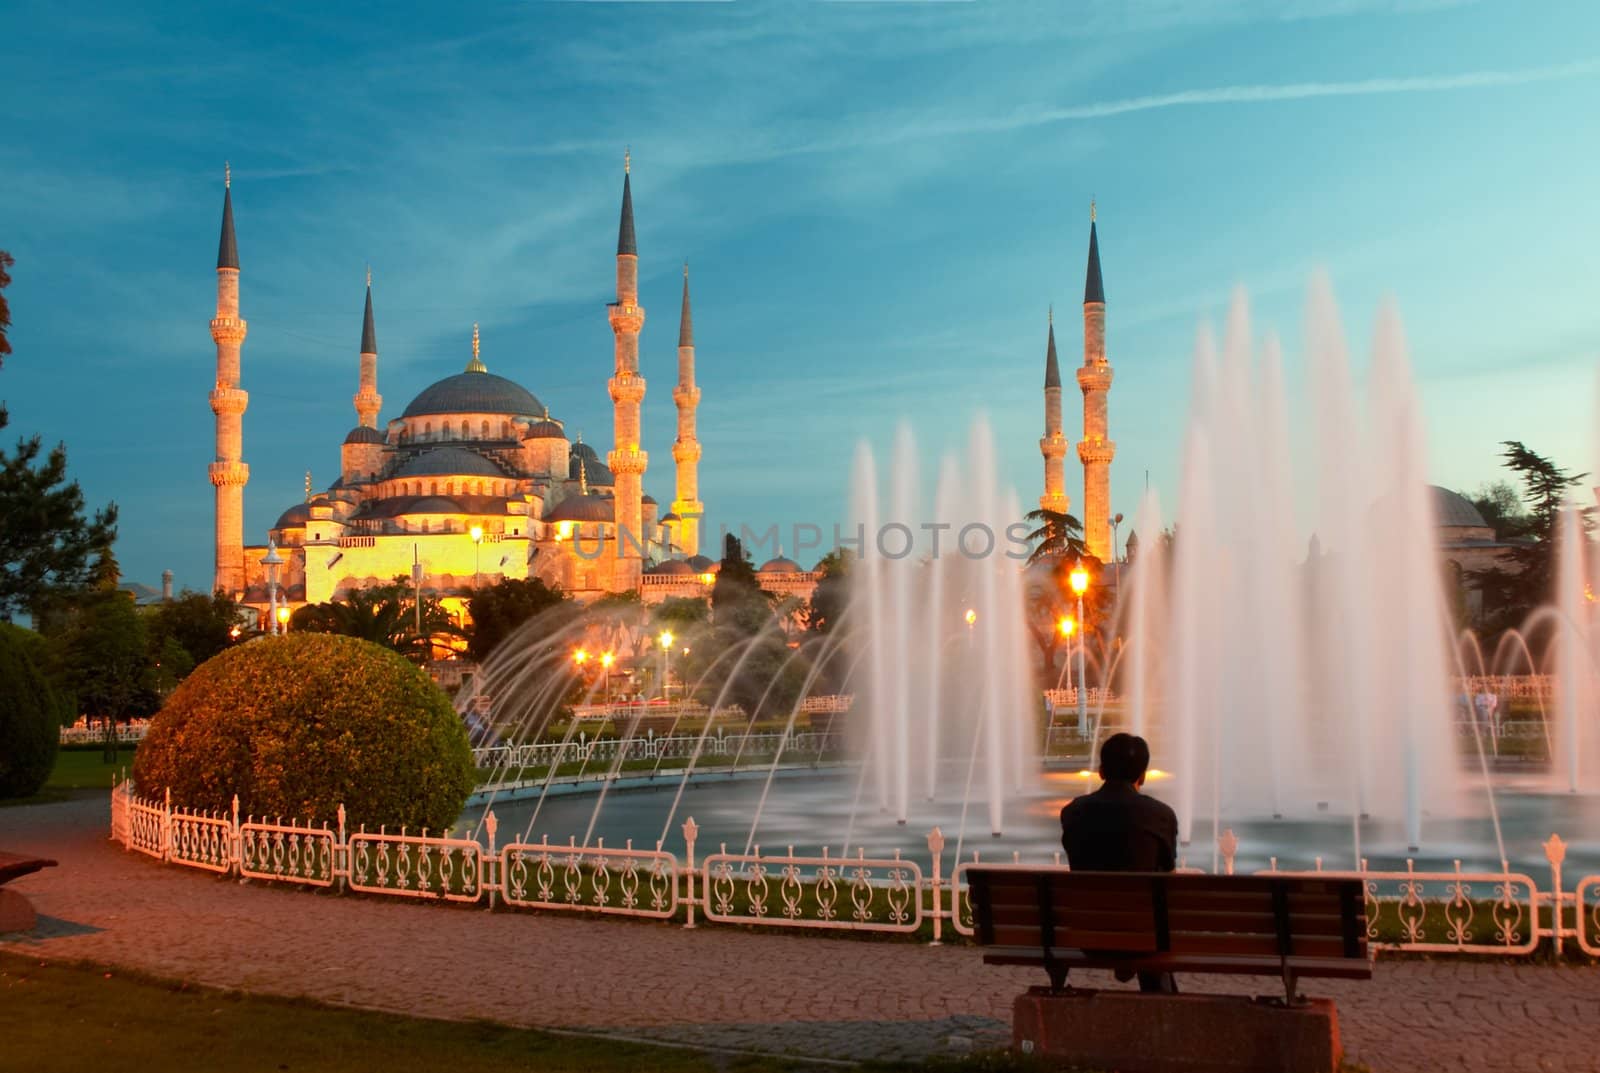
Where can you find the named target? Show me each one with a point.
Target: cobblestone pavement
(713, 986)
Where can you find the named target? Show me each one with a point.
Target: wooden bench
(1285, 926)
(16, 912)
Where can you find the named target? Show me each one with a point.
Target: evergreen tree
(46, 543)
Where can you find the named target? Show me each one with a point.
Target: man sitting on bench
(1119, 829)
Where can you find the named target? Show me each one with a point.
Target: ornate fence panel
(200, 840)
(416, 866)
(623, 882)
(1452, 912)
(960, 899)
(147, 827)
(287, 853)
(1586, 902)
(858, 893)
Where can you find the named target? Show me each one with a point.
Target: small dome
(1454, 510)
(669, 517)
(475, 393)
(363, 434)
(781, 565)
(295, 517)
(672, 566)
(449, 462)
(590, 508)
(700, 563)
(434, 505)
(594, 471)
(545, 429)
(650, 499)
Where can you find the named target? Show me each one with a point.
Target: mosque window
(476, 488)
(464, 432)
(425, 525)
(452, 487)
(505, 430)
(486, 428)
(427, 431)
(433, 488)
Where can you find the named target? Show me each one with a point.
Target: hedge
(29, 721)
(297, 725)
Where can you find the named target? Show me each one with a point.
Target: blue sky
(878, 202)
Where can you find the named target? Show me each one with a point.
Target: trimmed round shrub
(30, 729)
(299, 724)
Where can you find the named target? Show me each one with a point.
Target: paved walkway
(713, 987)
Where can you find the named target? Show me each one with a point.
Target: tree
(200, 625)
(46, 543)
(1502, 508)
(382, 614)
(1526, 577)
(1058, 534)
(831, 596)
(681, 613)
(765, 675)
(105, 651)
(501, 609)
(29, 730)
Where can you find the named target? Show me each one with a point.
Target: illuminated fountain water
(948, 691)
(1304, 685)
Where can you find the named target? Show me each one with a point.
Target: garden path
(717, 987)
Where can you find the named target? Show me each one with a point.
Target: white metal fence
(1455, 911)
(127, 733)
(600, 753)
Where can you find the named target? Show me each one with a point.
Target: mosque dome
(590, 508)
(449, 461)
(545, 429)
(650, 499)
(1454, 510)
(475, 393)
(781, 565)
(295, 517)
(700, 563)
(594, 471)
(672, 566)
(363, 434)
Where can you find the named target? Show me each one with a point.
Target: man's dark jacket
(1119, 829)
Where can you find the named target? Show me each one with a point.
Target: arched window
(433, 488)
(464, 432)
(505, 430)
(486, 428)
(425, 525)
(427, 431)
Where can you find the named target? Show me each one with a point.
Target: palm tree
(1058, 533)
(382, 615)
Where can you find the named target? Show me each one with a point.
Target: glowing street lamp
(665, 641)
(1068, 626)
(272, 561)
(972, 616)
(606, 659)
(1079, 579)
(283, 619)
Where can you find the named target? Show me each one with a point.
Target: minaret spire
(1053, 444)
(627, 460)
(686, 448)
(476, 365)
(367, 400)
(227, 471)
(1096, 449)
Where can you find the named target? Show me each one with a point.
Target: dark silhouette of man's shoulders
(1116, 828)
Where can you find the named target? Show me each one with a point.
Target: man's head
(1124, 758)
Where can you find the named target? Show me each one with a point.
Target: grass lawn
(56, 1017)
(77, 771)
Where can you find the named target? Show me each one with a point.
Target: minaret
(626, 460)
(368, 401)
(228, 471)
(1095, 450)
(1053, 445)
(686, 449)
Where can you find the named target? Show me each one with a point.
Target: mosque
(475, 480)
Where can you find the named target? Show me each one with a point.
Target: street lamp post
(1080, 581)
(606, 659)
(666, 650)
(272, 560)
(1068, 626)
(477, 547)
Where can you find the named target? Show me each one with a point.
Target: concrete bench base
(16, 912)
(1135, 1033)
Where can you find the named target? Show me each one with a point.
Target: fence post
(341, 848)
(492, 861)
(936, 847)
(1555, 851)
(166, 827)
(235, 845)
(1228, 843)
(690, 830)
